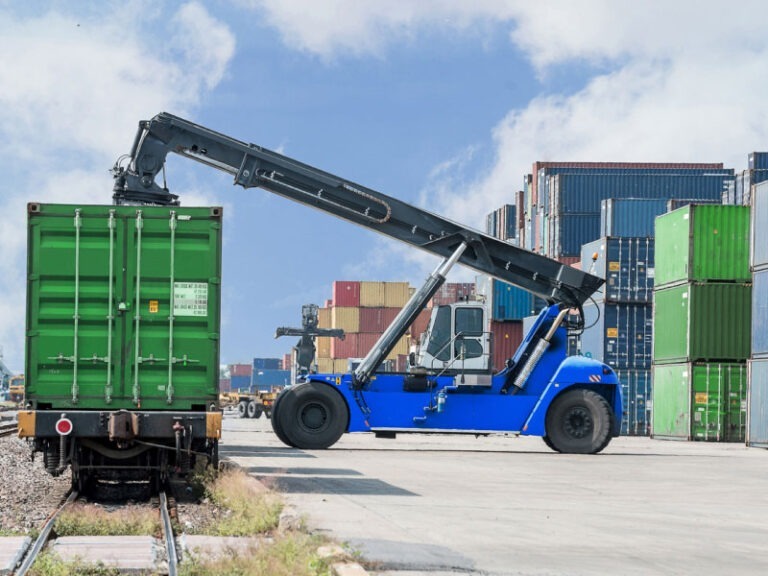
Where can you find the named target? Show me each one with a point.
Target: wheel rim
(314, 417)
(578, 422)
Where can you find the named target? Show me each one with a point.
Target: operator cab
(457, 339)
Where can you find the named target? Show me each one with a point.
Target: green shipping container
(696, 322)
(706, 242)
(123, 307)
(700, 401)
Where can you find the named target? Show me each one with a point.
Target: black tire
(276, 422)
(313, 416)
(579, 421)
(254, 409)
(548, 442)
(242, 409)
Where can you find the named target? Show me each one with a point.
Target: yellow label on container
(612, 332)
(154, 306)
(701, 398)
(614, 266)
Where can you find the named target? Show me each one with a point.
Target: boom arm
(254, 166)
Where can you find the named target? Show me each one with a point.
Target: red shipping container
(286, 362)
(225, 385)
(376, 319)
(569, 260)
(420, 324)
(241, 369)
(353, 346)
(346, 294)
(507, 337)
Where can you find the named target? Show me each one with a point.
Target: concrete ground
(443, 505)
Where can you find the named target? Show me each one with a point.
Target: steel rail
(170, 542)
(42, 539)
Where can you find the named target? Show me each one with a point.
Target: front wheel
(311, 416)
(579, 421)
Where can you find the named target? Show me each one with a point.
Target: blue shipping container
(267, 364)
(574, 193)
(568, 232)
(626, 265)
(758, 161)
(240, 382)
(630, 216)
(760, 314)
(758, 258)
(266, 379)
(513, 303)
(757, 404)
(675, 203)
(620, 335)
(636, 395)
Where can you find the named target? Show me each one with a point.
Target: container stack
(757, 431)
(240, 376)
(701, 323)
(562, 200)
(502, 223)
(363, 310)
(618, 321)
(268, 374)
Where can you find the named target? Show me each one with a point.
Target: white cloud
(72, 87)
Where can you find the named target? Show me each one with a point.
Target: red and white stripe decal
(594, 377)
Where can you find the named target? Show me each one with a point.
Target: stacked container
(757, 429)
(701, 323)
(502, 223)
(618, 323)
(363, 310)
(561, 200)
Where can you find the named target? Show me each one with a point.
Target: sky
(444, 104)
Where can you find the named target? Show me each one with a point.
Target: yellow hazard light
(26, 420)
(213, 425)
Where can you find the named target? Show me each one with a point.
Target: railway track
(8, 428)
(45, 537)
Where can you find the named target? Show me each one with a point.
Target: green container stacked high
(701, 323)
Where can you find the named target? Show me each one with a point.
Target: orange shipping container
(348, 319)
(323, 317)
(372, 294)
(323, 345)
(396, 294)
(325, 365)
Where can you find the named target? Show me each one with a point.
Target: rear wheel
(312, 415)
(242, 409)
(579, 421)
(254, 409)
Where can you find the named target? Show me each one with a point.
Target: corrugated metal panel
(348, 319)
(323, 346)
(103, 300)
(346, 294)
(758, 227)
(760, 314)
(630, 216)
(286, 361)
(700, 401)
(695, 322)
(372, 294)
(569, 232)
(702, 243)
(507, 337)
(582, 193)
(626, 265)
(396, 294)
(620, 335)
(636, 394)
(240, 382)
(758, 161)
(340, 366)
(757, 431)
(675, 203)
(376, 319)
(325, 365)
(420, 324)
(512, 303)
(265, 380)
(241, 370)
(324, 318)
